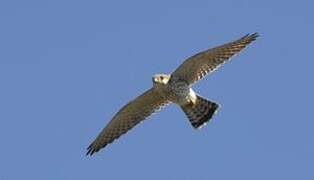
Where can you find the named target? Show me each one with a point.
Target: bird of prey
(173, 88)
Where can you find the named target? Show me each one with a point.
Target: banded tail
(201, 112)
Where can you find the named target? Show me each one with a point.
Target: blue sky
(66, 67)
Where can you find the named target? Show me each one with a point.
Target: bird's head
(161, 79)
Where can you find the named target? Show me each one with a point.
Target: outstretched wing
(199, 65)
(129, 116)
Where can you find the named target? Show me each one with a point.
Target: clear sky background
(66, 67)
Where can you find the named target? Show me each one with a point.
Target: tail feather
(200, 112)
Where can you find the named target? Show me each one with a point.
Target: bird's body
(173, 88)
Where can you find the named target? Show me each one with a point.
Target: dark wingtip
(93, 149)
(250, 37)
(90, 150)
(253, 36)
